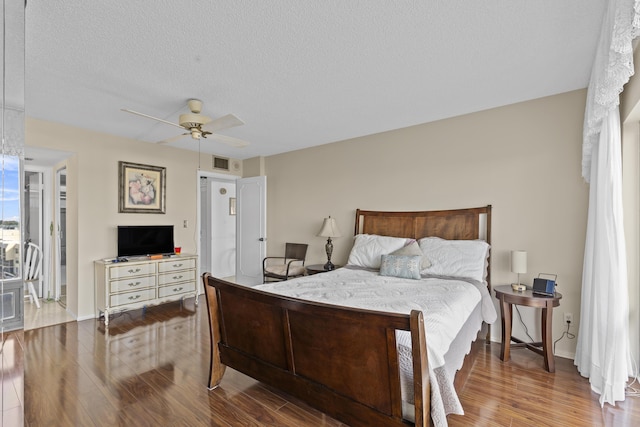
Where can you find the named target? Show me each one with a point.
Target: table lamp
(329, 229)
(518, 266)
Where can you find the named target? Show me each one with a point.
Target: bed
(367, 344)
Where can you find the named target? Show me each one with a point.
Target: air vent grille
(220, 163)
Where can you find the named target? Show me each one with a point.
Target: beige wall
(92, 191)
(523, 159)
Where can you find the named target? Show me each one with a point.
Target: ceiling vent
(220, 163)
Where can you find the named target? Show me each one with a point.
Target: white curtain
(602, 351)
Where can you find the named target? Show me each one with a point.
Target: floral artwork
(141, 188)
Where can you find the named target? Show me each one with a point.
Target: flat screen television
(138, 240)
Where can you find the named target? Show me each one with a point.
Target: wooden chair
(33, 272)
(292, 263)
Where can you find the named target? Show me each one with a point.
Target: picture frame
(141, 188)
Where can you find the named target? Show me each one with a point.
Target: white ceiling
(299, 73)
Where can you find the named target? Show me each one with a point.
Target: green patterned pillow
(402, 266)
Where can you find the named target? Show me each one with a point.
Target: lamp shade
(518, 262)
(329, 228)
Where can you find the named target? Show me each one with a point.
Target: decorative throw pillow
(402, 266)
(367, 249)
(412, 248)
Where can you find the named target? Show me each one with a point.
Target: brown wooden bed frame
(342, 361)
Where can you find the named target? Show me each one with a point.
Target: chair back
(33, 263)
(295, 250)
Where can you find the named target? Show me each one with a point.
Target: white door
(251, 223)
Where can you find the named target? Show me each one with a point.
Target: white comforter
(446, 304)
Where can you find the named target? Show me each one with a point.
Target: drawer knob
(177, 289)
(132, 297)
(134, 284)
(177, 277)
(177, 265)
(133, 271)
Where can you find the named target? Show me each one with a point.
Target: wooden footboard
(339, 360)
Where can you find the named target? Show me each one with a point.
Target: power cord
(526, 331)
(631, 391)
(566, 333)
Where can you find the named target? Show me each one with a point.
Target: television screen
(137, 240)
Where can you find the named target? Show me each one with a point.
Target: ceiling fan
(200, 126)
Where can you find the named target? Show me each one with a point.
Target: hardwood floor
(11, 372)
(150, 368)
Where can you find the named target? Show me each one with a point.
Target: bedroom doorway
(40, 205)
(217, 225)
(231, 238)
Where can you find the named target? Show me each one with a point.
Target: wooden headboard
(455, 224)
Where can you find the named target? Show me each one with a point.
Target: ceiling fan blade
(173, 138)
(224, 122)
(151, 117)
(234, 142)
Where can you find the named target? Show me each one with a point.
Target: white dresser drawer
(176, 276)
(176, 289)
(133, 297)
(132, 284)
(176, 264)
(132, 270)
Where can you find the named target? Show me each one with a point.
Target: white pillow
(456, 258)
(368, 248)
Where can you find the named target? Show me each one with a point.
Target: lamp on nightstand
(518, 266)
(329, 229)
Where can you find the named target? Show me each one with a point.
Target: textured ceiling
(299, 73)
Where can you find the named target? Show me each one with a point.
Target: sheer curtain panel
(602, 351)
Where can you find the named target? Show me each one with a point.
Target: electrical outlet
(568, 318)
(185, 223)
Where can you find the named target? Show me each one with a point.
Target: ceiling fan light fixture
(195, 105)
(196, 133)
(190, 120)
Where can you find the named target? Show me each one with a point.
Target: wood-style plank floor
(150, 368)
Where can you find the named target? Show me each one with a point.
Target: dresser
(141, 282)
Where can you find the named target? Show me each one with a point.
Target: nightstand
(318, 268)
(508, 297)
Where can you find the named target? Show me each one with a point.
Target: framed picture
(141, 188)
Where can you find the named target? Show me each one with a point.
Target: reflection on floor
(12, 376)
(49, 313)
